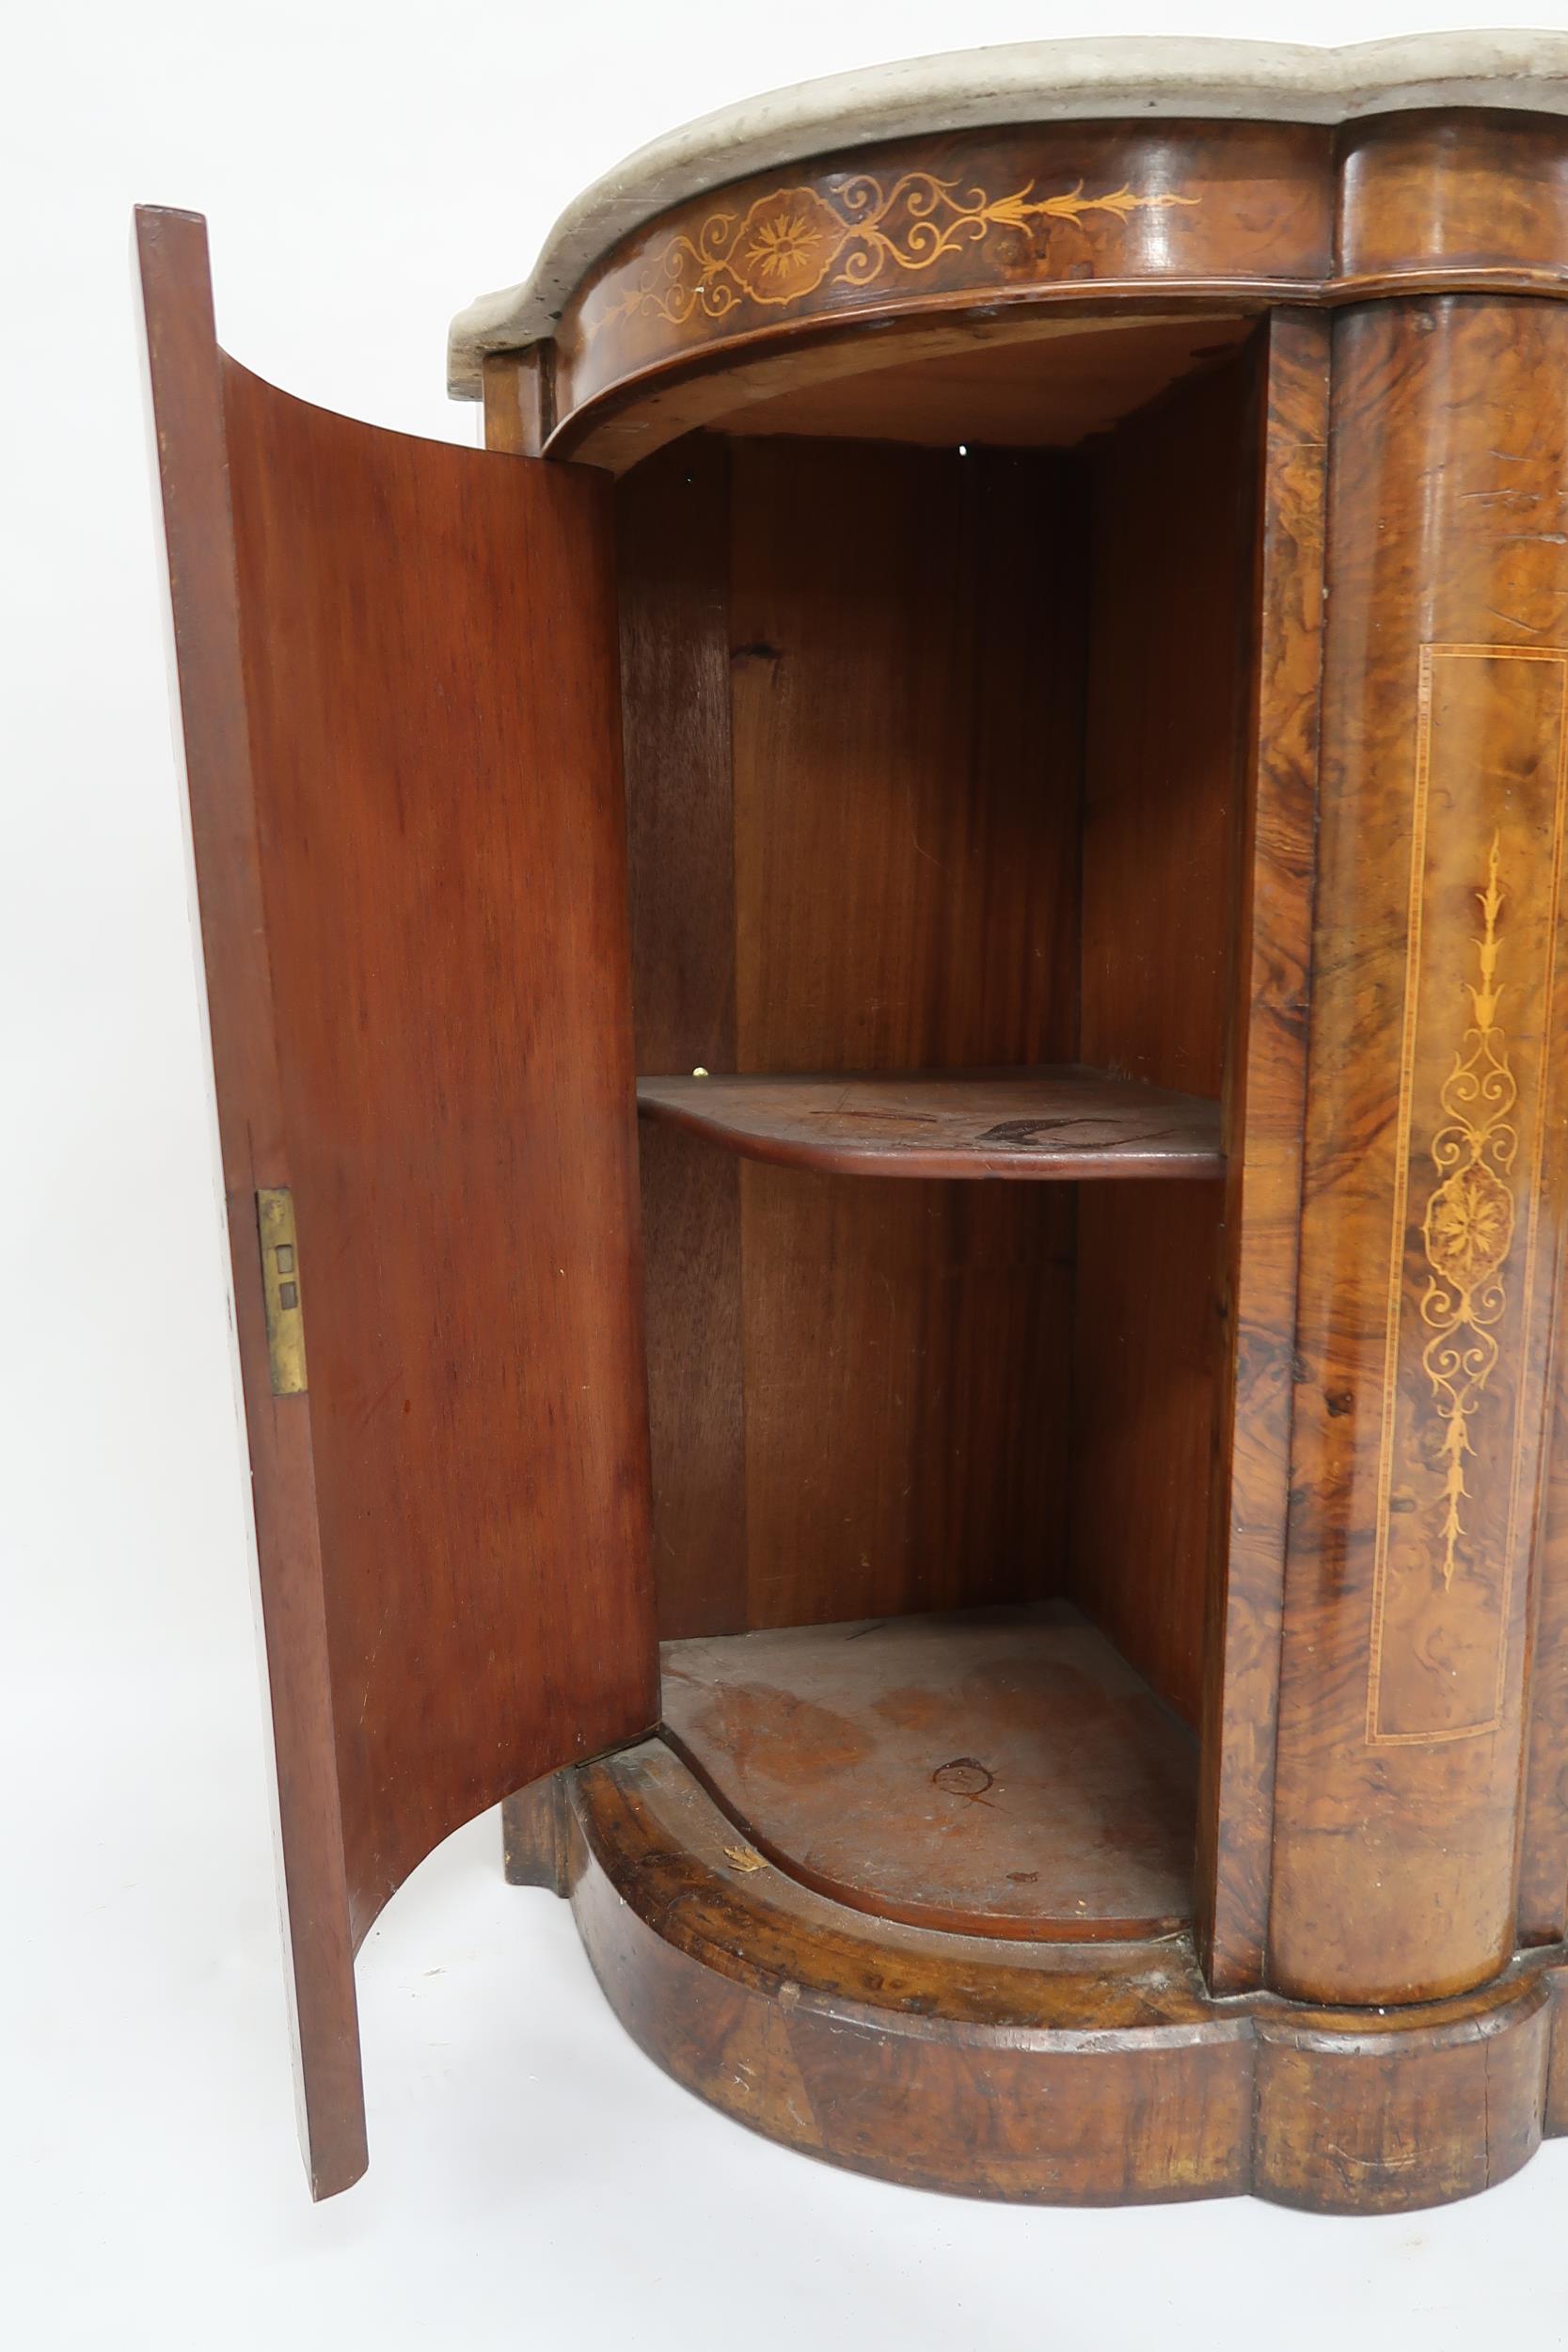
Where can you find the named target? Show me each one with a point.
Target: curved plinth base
(1057, 2075)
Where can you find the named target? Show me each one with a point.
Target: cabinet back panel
(906, 690)
(1172, 557)
(905, 1351)
(897, 774)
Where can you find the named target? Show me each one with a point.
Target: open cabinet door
(398, 673)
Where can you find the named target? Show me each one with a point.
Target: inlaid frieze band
(941, 226)
(793, 240)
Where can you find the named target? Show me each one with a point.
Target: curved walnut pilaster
(1434, 1168)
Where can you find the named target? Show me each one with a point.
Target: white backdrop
(366, 165)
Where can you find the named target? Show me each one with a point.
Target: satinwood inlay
(791, 241)
(1463, 1267)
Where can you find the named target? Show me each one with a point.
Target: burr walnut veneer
(889, 1009)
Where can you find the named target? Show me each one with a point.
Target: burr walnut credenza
(888, 1003)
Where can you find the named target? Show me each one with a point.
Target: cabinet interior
(934, 759)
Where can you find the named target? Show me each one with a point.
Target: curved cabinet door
(397, 671)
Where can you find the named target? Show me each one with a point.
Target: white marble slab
(1048, 81)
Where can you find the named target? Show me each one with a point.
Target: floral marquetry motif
(1458, 1441)
(791, 241)
(1014, 214)
(1469, 1226)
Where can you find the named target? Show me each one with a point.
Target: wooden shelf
(1061, 1123)
(990, 1772)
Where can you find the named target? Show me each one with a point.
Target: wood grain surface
(1020, 381)
(906, 632)
(673, 530)
(852, 699)
(971, 789)
(992, 377)
(1054, 2074)
(1461, 195)
(1171, 571)
(1173, 212)
(1040, 1124)
(1435, 1172)
(1265, 1116)
(791, 286)
(221, 790)
(1542, 1896)
(397, 666)
(905, 658)
(997, 1772)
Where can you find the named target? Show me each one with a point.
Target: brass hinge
(275, 1219)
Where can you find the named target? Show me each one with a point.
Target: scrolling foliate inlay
(1468, 1226)
(792, 242)
(1468, 1305)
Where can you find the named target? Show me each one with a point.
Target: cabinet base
(1055, 2074)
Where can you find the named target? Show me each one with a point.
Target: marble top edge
(1049, 81)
